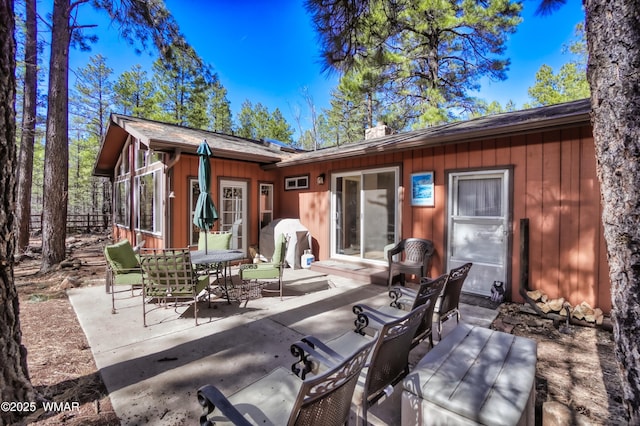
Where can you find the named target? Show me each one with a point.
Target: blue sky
(267, 52)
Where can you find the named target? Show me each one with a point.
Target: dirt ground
(577, 370)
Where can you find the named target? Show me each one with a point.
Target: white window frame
(262, 210)
(158, 199)
(334, 203)
(296, 182)
(123, 176)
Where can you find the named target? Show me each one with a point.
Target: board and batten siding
(187, 168)
(554, 185)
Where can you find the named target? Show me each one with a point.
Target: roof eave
(424, 139)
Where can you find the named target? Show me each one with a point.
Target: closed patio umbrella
(205, 214)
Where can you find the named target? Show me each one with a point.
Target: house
(486, 190)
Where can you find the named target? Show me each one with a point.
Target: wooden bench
(474, 376)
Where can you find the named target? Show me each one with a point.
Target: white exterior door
(478, 227)
(233, 212)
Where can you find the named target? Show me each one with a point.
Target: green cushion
(131, 278)
(260, 271)
(121, 257)
(214, 241)
(278, 252)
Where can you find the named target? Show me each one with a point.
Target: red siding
(554, 186)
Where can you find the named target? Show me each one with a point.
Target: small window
(266, 204)
(149, 189)
(296, 182)
(122, 202)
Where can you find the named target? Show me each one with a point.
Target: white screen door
(478, 227)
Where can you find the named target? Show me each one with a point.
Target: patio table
(210, 257)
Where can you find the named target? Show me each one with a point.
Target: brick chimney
(381, 129)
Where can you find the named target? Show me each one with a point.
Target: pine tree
(569, 84)
(417, 59)
(135, 94)
(90, 104)
(220, 110)
(184, 84)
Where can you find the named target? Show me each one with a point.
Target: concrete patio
(152, 374)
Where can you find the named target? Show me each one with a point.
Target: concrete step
(371, 274)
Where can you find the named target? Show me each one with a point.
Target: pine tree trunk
(14, 381)
(56, 156)
(613, 37)
(25, 156)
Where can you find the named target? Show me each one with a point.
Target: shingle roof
(169, 137)
(509, 123)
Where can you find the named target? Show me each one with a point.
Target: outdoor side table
(224, 257)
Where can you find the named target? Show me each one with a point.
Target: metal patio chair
(169, 277)
(261, 273)
(281, 397)
(405, 299)
(389, 359)
(449, 300)
(123, 269)
(415, 258)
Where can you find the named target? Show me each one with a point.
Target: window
(122, 196)
(296, 182)
(193, 200)
(266, 204)
(367, 213)
(145, 157)
(122, 207)
(149, 189)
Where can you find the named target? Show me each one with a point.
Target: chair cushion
(214, 241)
(278, 253)
(121, 257)
(130, 278)
(268, 401)
(260, 271)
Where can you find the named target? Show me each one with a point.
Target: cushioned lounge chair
(262, 273)
(123, 269)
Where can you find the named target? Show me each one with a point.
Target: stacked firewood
(582, 312)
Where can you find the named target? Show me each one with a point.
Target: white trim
(334, 214)
(496, 228)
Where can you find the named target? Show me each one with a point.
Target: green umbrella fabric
(205, 214)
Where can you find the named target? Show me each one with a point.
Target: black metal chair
(389, 360)
(449, 300)
(415, 258)
(281, 397)
(405, 299)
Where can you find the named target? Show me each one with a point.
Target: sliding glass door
(365, 212)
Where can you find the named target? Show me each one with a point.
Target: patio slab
(152, 374)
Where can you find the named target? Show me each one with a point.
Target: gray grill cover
(299, 241)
